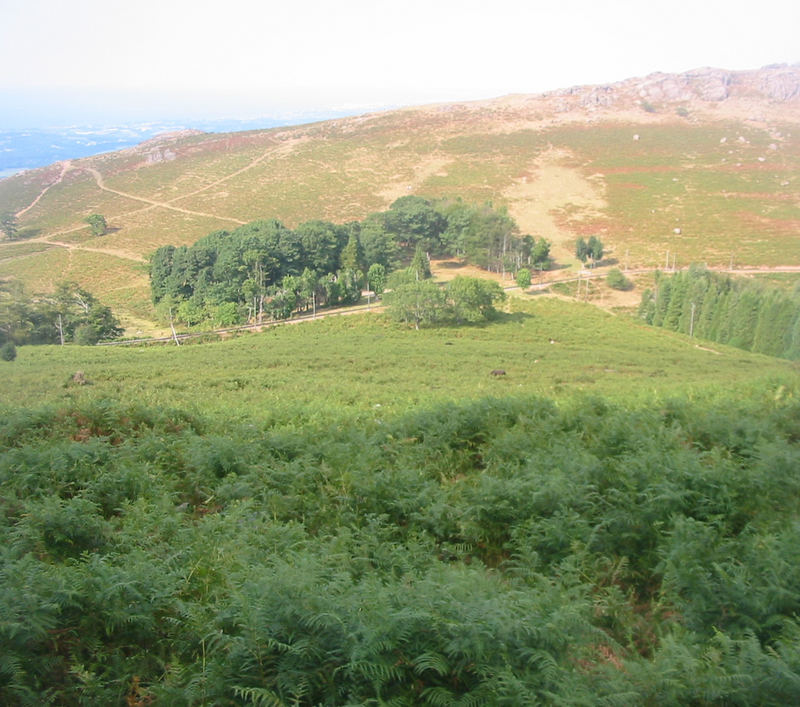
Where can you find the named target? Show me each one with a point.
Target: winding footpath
(65, 167)
(162, 204)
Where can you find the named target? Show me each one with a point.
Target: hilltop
(702, 164)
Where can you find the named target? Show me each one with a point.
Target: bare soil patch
(550, 188)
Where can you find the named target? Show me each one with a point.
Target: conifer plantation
(735, 311)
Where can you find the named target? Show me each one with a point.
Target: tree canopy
(743, 313)
(98, 224)
(421, 302)
(266, 269)
(593, 249)
(70, 314)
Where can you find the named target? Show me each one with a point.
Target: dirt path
(65, 167)
(341, 312)
(285, 147)
(150, 204)
(105, 251)
(163, 204)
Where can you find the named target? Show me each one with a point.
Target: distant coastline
(4, 173)
(40, 147)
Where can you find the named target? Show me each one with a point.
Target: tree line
(735, 311)
(265, 269)
(68, 315)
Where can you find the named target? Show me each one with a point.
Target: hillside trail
(49, 239)
(125, 255)
(285, 148)
(66, 166)
(152, 202)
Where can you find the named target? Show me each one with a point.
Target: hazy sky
(119, 59)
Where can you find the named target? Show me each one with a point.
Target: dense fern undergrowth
(501, 551)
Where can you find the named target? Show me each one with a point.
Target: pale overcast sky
(239, 58)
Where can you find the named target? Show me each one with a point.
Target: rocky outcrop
(778, 83)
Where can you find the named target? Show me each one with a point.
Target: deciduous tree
(417, 302)
(8, 225)
(98, 224)
(472, 299)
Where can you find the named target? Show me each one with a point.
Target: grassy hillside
(710, 186)
(349, 511)
(370, 367)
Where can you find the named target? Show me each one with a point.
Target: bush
(618, 281)
(472, 299)
(8, 351)
(98, 224)
(524, 278)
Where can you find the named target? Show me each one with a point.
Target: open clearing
(550, 187)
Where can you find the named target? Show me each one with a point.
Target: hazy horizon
(114, 62)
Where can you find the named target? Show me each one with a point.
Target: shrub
(8, 351)
(618, 281)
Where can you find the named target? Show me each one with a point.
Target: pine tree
(702, 324)
(352, 257)
(662, 299)
(376, 278)
(745, 319)
(677, 302)
(420, 267)
(581, 250)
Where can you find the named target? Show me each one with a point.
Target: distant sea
(28, 149)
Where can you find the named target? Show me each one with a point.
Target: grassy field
(372, 368)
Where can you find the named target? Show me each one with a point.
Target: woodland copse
(265, 268)
(68, 315)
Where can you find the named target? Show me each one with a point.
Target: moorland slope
(702, 164)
